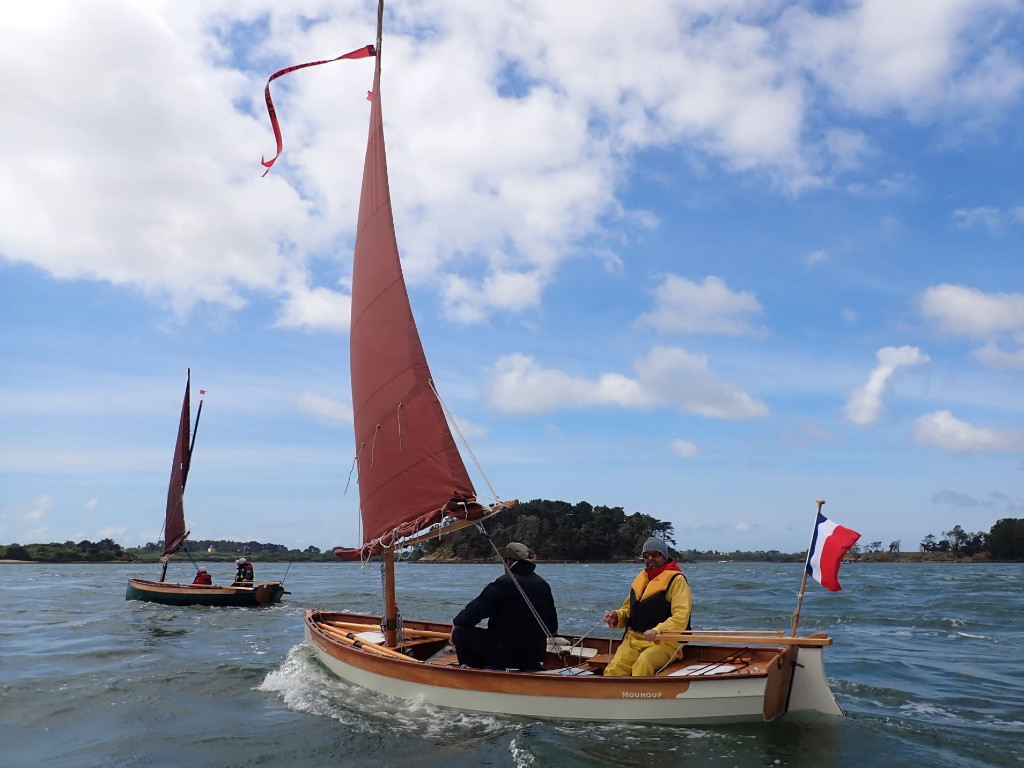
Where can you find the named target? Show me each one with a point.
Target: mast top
(380, 25)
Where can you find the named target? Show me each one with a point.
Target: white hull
(728, 698)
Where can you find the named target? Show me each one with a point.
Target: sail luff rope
(373, 445)
(350, 471)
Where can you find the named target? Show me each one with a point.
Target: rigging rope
(350, 471)
(185, 550)
(465, 442)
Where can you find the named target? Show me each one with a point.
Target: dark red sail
(174, 522)
(410, 470)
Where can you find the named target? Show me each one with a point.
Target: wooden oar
(745, 639)
(771, 633)
(354, 641)
(376, 628)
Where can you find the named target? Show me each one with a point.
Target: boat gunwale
(210, 595)
(545, 683)
(172, 586)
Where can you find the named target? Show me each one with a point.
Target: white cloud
(964, 311)
(157, 189)
(666, 377)
(847, 148)
(864, 406)
(994, 357)
(815, 256)
(923, 57)
(315, 308)
(685, 306)
(471, 304)
(467, 429)
(126, 182)
(954, 499)
(91, 504)
(988, 217)
(683, 448)
(28, 511)
(324, 410)
(944, 431)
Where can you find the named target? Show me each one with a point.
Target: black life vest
(654, 607)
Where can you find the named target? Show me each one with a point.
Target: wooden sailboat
(175, 533)
(413, 484)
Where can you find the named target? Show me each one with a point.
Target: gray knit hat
(517, 551)
(655, 544)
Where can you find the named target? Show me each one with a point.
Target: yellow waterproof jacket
(674, 591)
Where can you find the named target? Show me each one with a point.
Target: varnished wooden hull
(169, 593)
(766, 683)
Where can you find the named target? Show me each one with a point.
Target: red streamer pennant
(359, 53)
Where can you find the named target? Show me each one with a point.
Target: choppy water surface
(927, 662)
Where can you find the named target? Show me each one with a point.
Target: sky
(707, 261)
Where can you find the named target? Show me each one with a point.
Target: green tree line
(217, 549)
(86, 551)
(555, 530)
(1004, 541)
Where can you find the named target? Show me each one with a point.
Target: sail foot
(459, 507)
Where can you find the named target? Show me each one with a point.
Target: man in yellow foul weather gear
(659, 601)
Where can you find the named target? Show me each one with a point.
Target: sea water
(927, 662)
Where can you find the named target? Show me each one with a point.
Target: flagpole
(803, 583)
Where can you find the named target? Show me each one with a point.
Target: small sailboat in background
(413, 485)
(175, 534)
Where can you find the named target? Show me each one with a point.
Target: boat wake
(306, 686)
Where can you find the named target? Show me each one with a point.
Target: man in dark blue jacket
(514, 637)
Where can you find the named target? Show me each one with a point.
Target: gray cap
(655, 544)
(241, 561)
(517, 551)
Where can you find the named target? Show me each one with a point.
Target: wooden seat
(451, 660)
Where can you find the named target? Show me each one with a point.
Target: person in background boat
(244, 574)
(659, 601)
(202, 577)
(514, 637)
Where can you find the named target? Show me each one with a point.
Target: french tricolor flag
(830, 543)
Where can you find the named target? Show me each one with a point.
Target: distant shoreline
(901, 561)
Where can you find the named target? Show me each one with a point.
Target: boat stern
(810, 691)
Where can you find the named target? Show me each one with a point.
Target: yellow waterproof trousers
(635, 656)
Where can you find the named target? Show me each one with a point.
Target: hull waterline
(169, 593)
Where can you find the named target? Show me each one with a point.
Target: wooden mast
(390, 603)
